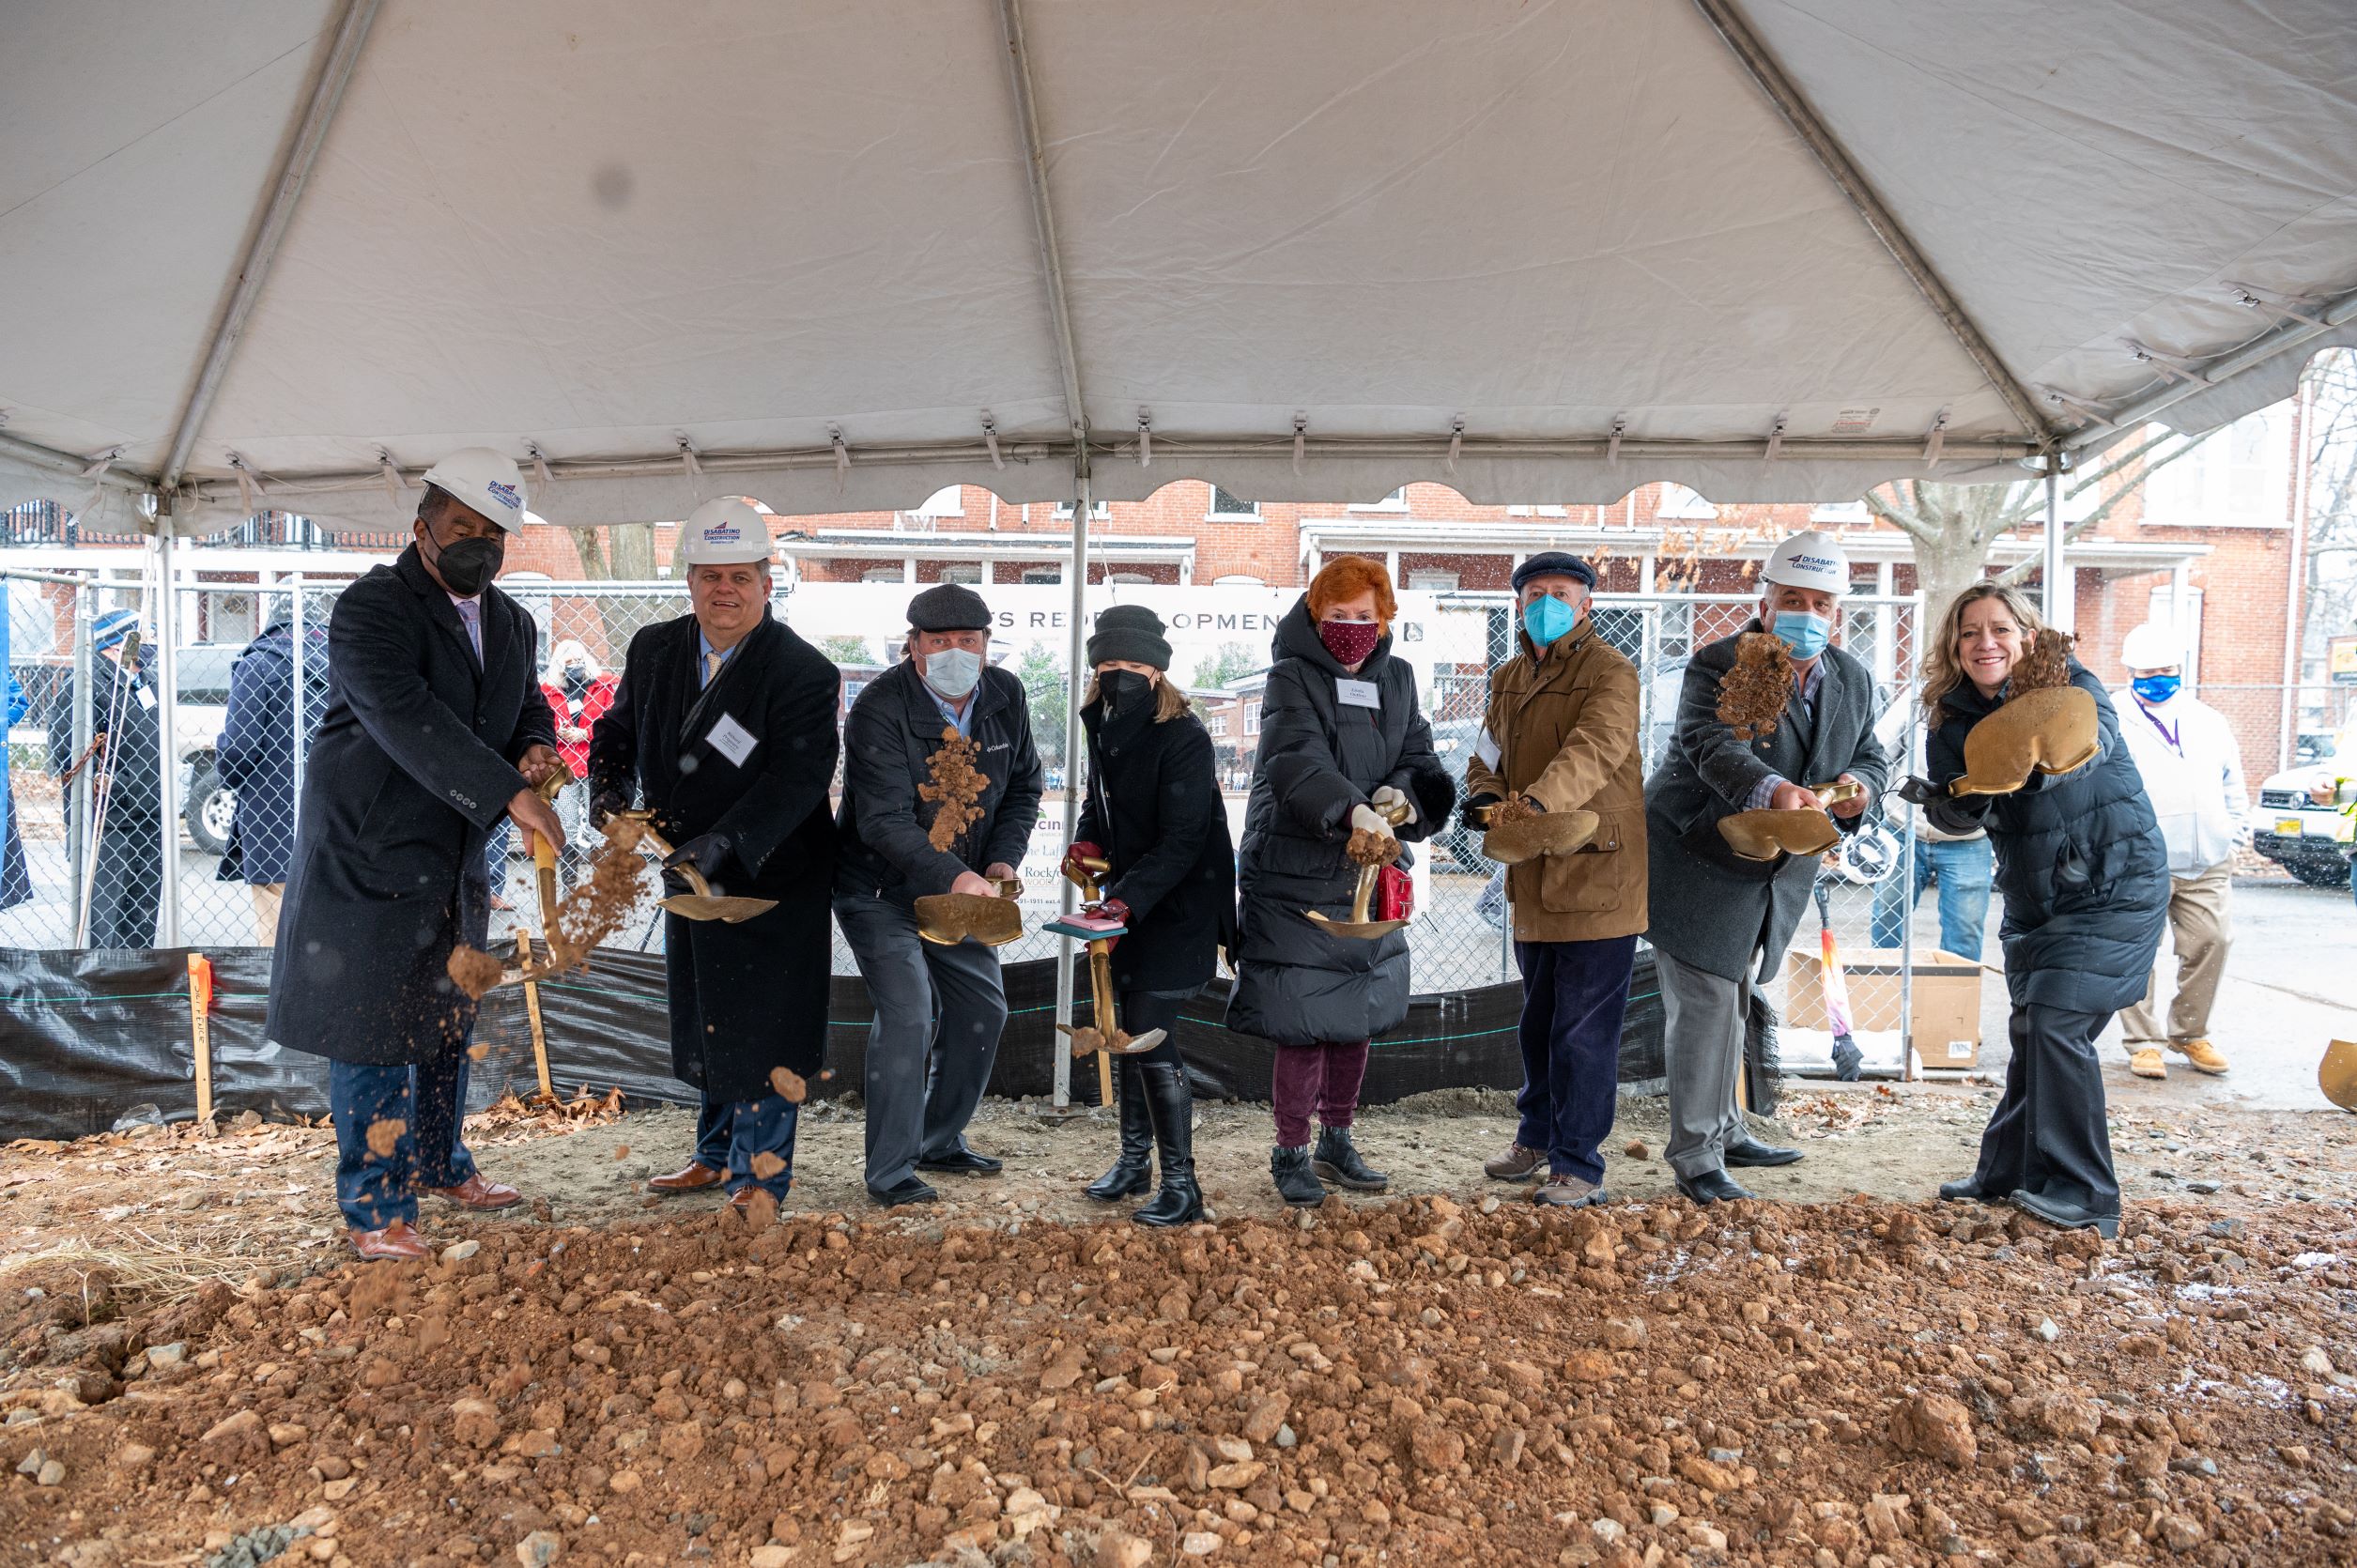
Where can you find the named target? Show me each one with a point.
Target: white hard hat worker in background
(2192, 767)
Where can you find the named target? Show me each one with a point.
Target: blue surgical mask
(1548, 618)
(1805, 634)
(2156, 689)
(952, 671)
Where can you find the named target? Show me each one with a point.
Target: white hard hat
(482, 481)
(723, 531)
(2152, 646)
(1811, 559)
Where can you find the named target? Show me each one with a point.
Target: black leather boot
(1134, 1173)
(1337, 1160)
(1171, 1102)
(1297, 1184)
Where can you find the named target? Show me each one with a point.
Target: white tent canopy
(838, 254)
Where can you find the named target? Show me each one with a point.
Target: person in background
(1721, 924)
(256, 753)
(126, 786)
(16, 880)
(2084, 873)
(2193, 775)
(1962, 864)
(725, 725)
(579, 691)
(1341, 742)
(938, 1009)
(435, 730)
(1154, 811)
(1560, 734)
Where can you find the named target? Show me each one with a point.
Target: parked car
(203, 681)
(2310, 841)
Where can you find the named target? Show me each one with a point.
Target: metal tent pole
(2058, 605)
(78, 848)
(300, 708)
(1075, 751)
(167, 688)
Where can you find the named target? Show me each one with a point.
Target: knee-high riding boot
(1171, 1103)
(1134, 1172)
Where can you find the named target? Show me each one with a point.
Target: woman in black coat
(1155, 811)
(1342, 740)
(2083, 872)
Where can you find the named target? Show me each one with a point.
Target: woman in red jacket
(579, 690)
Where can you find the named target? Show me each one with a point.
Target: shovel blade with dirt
(699, 903)
(945, 920)
(1543, 833)
(2337, 1075)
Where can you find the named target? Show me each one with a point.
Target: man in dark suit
(126, 783)
(938, 1009)
(726, 720)
(435, 731)
(1718, 920)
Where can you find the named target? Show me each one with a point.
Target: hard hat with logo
(483, 480)
(2152, 646)
(724, 532)
(1812, 559)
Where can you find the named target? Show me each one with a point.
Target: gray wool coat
(1705, 911)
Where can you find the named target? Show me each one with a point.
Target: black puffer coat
(2081, 863)
(1318, 758)
(1154, 807)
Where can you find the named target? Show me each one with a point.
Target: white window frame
(1098, 511)
(883, 574)
(1535, 510)
(1251, 512)
(1252, 716)
(1395, 502)
(933, 506)
(1433, 580)
(1038, 577)
(2212, 488)
(1841, 511)
(962, 571)
(1687, 505)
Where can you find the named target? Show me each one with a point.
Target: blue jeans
(427, 1101)
(731, 1132)
(1574, 998)
(1962, 866)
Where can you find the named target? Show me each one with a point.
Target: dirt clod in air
(474, 972)
(767, 1166)
(2046, 664)
(957, 783)
(1369, 848)
(385, 1136)
(790, 1086)
(1752, 695)
(593, 911)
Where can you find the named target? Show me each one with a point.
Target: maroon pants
(1322, 1079)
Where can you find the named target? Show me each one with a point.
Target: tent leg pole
(78, 848)
(2058, 605)
(166, 686)
(1075, 682)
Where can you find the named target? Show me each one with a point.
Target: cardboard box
(1944, 1012)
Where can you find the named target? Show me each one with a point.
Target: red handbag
(1394, 894)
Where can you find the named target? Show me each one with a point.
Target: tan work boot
(1517, 1164)
(2200, 1055)
(2145, 1062)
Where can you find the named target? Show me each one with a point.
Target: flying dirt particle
(621, 1151)
(478, 1051)
(767, 1166)
(790, 1086)
(2046, 664)
(957, 784)
(1752, 695)
(385, 1136)
(473, 971)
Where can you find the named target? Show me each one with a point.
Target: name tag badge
(147, 699)
(1358, 694)
(732, 740)
(1486, 750)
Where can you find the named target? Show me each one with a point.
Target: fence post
(301, 712)
(78, 850)
(168, 750)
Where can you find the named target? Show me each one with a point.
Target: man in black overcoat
(725, 725)
(938, 1010)
(126, 784)
(435, 731)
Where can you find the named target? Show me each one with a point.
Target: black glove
(1920, 791)
(704, 851)
(1474, 809)
(606, 804)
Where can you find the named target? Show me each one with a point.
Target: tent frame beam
(2227, 367)
(254, 268)
(1830, 155)
(1043, 225)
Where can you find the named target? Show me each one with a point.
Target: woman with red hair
(1343, 749)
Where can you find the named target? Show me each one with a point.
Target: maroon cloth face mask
(1349, 641)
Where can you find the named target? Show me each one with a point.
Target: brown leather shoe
(755, 1203)
(397, 1242)
(476, 1192)
(694, 1177)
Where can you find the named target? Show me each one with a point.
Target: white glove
(1365, 817)
(1388, 799)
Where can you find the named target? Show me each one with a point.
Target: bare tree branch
(2015, 573)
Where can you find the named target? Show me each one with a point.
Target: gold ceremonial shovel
(1764, 835)
(1105, 1037)
(702, 903)
(946, 919)
(2337, 1075)
(1359, 926)
(1541, 833)
(2052, 730)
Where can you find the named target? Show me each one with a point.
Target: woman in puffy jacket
(1342, 744)
(2084, 873)
(1154, 811)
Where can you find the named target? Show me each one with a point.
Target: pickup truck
(2308, 816)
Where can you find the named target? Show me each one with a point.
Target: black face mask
(469, 564)
(1122, 690)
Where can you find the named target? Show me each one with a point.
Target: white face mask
(952, 671)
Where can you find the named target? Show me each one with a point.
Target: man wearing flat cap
(938, 1009)
(1561, 735)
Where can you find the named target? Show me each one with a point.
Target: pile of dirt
(1410, 1380)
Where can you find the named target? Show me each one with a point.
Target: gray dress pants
(938, 1013)
(1703, 1028)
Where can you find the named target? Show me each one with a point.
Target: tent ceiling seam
(294, 172)
(1769, 76)
(1043, 223)
(2221, 371)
